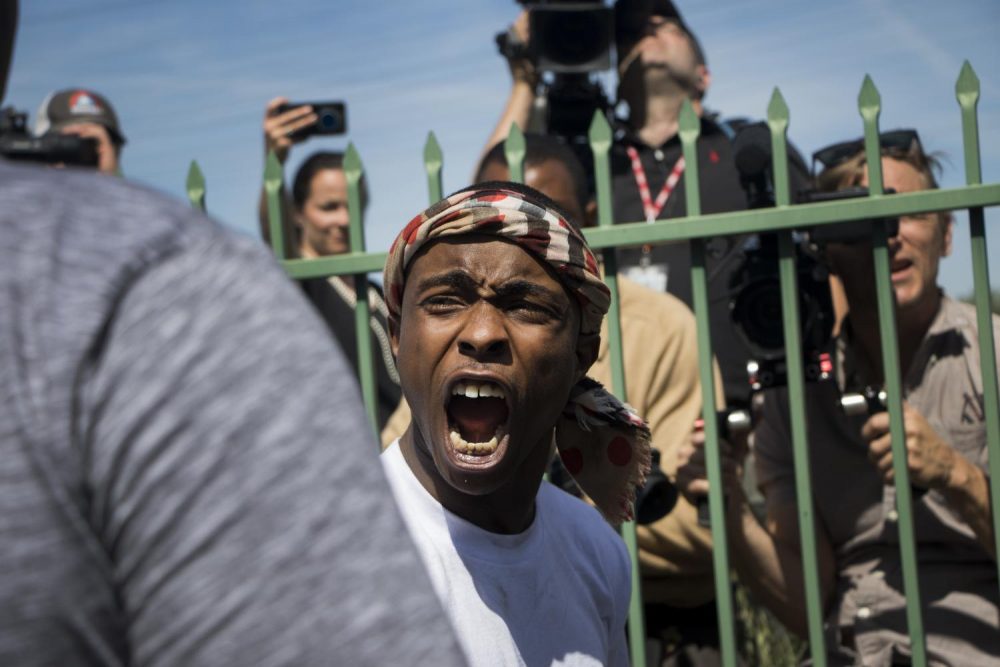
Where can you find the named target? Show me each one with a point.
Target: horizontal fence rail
(695, 229)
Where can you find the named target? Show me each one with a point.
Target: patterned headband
(603, 443)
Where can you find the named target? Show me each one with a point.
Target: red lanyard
(649, 207)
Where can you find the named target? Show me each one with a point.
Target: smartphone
(331, 117)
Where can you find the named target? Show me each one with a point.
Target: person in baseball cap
(631, 17)
(86, 114)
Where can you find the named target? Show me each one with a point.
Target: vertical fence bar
(514, 153)
(514, 150)
(777, 120)
(870, 104)
(600, 145)
(967, 92)
(196, 186)
(273, 177)
(362, 311)
(433, 163)
(690, 128)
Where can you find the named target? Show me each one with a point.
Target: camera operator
(851, 460)
(88, 115)
(316, 224)
(660, 64)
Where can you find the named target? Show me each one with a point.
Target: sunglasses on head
(834, 154)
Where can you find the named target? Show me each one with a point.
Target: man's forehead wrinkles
(449, 278)
(512, 285)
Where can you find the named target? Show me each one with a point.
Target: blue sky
(190, 80)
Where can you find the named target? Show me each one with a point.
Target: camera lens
(758, 312)
(572, 38)
(573, 41)
(329, 120)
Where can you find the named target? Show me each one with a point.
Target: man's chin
(477, 473)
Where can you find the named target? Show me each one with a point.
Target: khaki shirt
(957, 578)
(660, 354)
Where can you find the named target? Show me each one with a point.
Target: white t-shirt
(556, 594)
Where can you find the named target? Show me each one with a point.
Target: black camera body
(331, 118)
(755, 288)
(17, 143)
(568, 42)
(565, 37)
(755, 308)
(571, 37)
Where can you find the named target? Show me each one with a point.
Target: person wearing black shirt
(316, 224)
(660, 65)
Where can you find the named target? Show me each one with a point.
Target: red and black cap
(77, 105)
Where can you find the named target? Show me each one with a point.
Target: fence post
(777, 120)
(433, 163)
(196, 186)
(514, 150)
(600, 144)
(690, 128)
(273, 177)
(870, 105)
(362, 310)
(967, 92)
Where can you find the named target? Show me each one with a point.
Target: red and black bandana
(603, 442)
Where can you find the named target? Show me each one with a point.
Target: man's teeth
(464, 447)
(478, 390)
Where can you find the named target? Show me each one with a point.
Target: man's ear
(587, 348)
(949, 223)
(394, 335)
(704, 79)
(590, 214)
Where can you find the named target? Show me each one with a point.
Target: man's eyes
(520, 307)
(442, 301)
(527, 306)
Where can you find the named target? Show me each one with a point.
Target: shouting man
(495, 306)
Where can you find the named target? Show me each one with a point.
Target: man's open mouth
(477, 417)
(898, 265)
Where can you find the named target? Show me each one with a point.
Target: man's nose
(894, 243)
(484, 336)
(342, 218)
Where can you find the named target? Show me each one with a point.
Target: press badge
(653, 276)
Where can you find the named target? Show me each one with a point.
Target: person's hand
(279, 127)
(692, 475)
(522, 70)
(930, 459)
(107, 155)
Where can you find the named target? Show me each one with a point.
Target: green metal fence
(696, 229)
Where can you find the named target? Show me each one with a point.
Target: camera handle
(731, 422)
(866, 403)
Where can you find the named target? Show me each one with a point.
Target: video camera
(17, 143)
(755, 289)
(569, 41)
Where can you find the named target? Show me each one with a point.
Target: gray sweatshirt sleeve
(234, 479)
